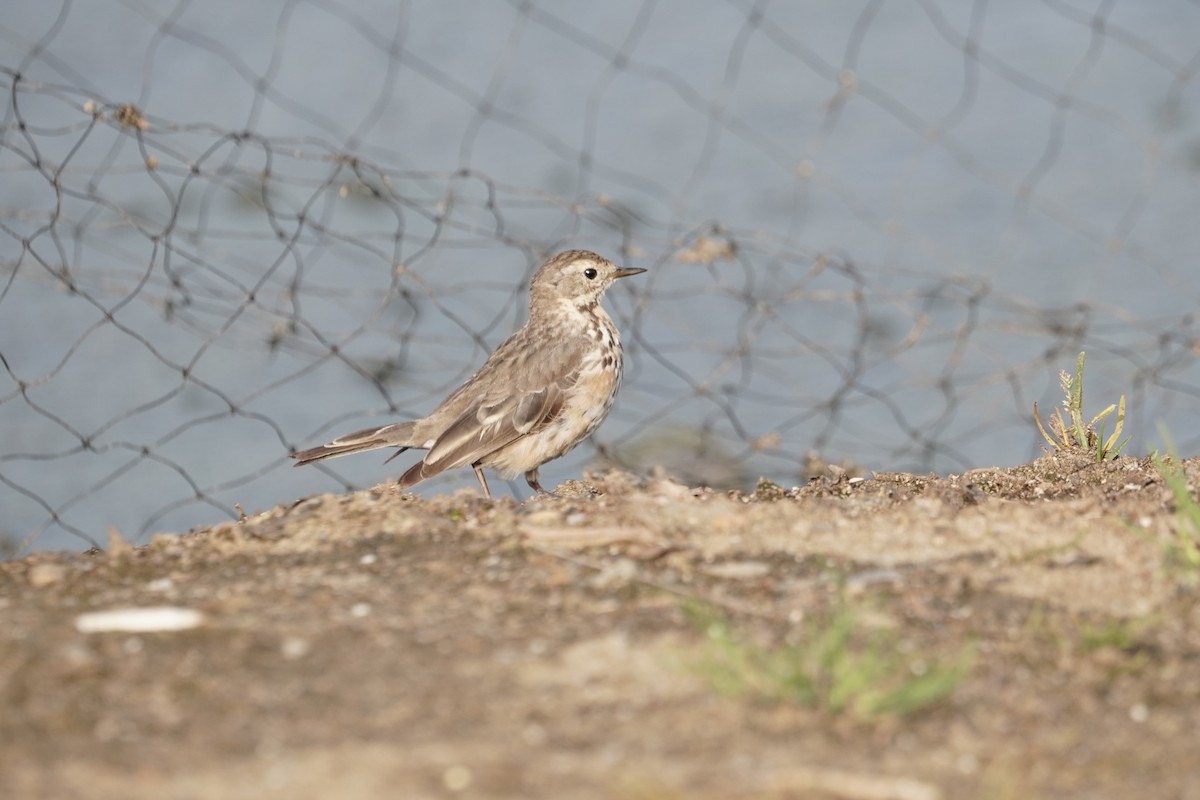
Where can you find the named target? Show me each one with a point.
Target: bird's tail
(396, 435)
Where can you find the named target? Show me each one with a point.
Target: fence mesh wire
(875, 233)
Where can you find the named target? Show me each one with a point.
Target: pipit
(544, 390)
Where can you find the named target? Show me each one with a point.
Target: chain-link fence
(876, 231)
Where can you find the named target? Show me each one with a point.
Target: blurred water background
(875, 231)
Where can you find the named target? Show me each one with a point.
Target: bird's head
(580, 276)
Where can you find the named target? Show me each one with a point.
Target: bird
(544, 390)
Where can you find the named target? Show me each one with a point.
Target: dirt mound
(377, 644)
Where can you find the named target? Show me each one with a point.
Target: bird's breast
(587, 401)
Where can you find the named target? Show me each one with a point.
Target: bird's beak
(625, 273)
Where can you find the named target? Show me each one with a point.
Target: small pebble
(293, 648)
(43, 575)
(139, 620)
(457, 778)
(738, 570)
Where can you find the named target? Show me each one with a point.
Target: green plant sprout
(1187, 511)
(835, 664)
(1068, 431)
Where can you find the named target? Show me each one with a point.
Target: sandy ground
(380, 645)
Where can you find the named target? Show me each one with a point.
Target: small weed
(1048, 641)
(1115, 632)
(835, 664)
(1185, 551)
(1069, 432)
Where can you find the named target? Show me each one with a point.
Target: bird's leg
(531, 477)
(482, 480)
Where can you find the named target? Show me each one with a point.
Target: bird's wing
(530, 397)
(492, 426)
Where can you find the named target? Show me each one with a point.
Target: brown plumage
(543, 391)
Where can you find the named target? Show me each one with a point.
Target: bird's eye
(589, 273)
